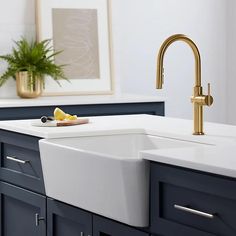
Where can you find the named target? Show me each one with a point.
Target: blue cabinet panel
(19, 211)
(106, 227)
(65, 220)
(152, 108)
(15, 148)
(175, 192)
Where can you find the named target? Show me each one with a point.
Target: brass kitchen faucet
(198, 99)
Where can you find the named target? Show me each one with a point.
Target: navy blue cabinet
(20, 162)
(106, 227)
(151, 108)
(23, 213)
(65, 220)
(186, 202)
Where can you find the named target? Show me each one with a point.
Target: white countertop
(218, 159)
(78, 100)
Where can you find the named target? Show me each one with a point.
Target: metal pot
(28, 86)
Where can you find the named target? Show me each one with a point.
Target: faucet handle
(209, 97)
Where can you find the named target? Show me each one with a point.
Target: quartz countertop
(78, 100)
(217, 157)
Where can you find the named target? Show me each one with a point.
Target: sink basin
(103, 174)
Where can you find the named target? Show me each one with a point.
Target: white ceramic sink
(103, 174)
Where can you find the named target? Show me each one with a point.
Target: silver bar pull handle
(38, 219)
(193, 211)
(17, 160)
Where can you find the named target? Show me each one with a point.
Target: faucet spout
(198, 99)
(160, 59)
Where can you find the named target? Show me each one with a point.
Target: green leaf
(35, 57)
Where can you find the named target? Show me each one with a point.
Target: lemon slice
(59, 114)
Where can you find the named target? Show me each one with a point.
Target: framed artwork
(81, 29)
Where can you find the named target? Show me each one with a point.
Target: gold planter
(27, 85)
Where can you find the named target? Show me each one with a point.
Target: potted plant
(28, 63)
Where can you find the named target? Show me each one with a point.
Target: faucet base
(198, 133)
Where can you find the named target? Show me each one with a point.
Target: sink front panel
(114, 188)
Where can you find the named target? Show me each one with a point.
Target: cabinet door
(65, 220)
(23, 213)
(106, 227)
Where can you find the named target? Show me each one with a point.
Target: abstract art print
(81, 29)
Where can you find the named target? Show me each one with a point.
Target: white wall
(231, 63)
(17, 18)
(139, 28)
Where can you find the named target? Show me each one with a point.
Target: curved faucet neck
(165, 45)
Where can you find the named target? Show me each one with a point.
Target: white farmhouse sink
(103, 174)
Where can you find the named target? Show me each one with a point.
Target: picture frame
(82, 31)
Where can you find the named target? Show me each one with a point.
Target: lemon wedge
(68, 116)
(74, 117)
(59, 114)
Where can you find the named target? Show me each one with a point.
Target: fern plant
(37, 58)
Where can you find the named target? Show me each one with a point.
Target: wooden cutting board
(56, 123)
(72, 122)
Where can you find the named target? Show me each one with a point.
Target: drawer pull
(193, 211)
(17, 160)
(38, 219)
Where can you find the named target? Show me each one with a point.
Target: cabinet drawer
(20, 161)
(191, 203)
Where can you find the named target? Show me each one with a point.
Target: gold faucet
(198, 99)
